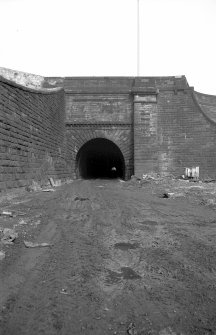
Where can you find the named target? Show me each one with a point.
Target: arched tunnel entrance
(100, 158)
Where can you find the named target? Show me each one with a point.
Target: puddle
(126, 245)
(126, 273)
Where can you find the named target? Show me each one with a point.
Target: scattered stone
(22, 222)
(121, 181)
(2, 255)
(35, 245)
(63, 291)
(34, 187)
(167, 331)
(58, 182)
(48, 190)
(135, 178)
(36, 223)
(9, 236)
(131, 329)
(52, 182)
(151, 176)
(80, 199)
(7, 213)
(55, 183)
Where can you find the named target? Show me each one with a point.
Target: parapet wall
(32, 135)
(207, 104)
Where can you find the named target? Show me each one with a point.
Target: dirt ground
(121, 259)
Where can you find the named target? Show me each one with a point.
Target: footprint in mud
(126, 273)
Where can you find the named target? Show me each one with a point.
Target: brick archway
(120, 135)
(100, 158)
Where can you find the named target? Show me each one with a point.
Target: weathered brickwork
(172, 134)
(159, 124)
(78, 135)
(168, 128)
(32, 135)
(187, 136)
(99, 115)
(82, 108)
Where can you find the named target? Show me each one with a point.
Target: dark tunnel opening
(100, 158)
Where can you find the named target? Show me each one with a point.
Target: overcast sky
(99, 38)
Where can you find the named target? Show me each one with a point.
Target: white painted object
(192, 172)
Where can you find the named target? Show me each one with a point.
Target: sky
(99, 38)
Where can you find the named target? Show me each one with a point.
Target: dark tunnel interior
(100, 158)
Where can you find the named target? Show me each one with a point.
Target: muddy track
(118, 255)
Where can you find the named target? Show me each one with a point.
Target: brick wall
(159, 123)
(169, 126)
(172, 134)
(96, 108)
(99, 115)
(78, 135)
(31, 134)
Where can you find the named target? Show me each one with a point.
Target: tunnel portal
(100, 158)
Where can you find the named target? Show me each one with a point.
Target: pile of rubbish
(36, 187)
(8, 236)
(49, 186)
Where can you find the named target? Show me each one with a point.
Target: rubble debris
(2, 255)
(55, 183)
(36, 223)
(63, 291)
(36, 245)
(52, 182)
(209, 180)
(151, 176)
(135, 178)
(131, 329)
(9, 236)
(6, 213)
(167, 331)
(80, 199)
(191, 173)
(58, 182)
(22, 222)
(34, 187)
(48, 190)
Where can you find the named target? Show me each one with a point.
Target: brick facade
(160, 124)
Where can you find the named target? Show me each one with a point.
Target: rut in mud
(117, 255)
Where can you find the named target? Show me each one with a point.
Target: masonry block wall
(159, 124)
(99, 108)
(32, 128)
(78, 135)
(174, 132)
